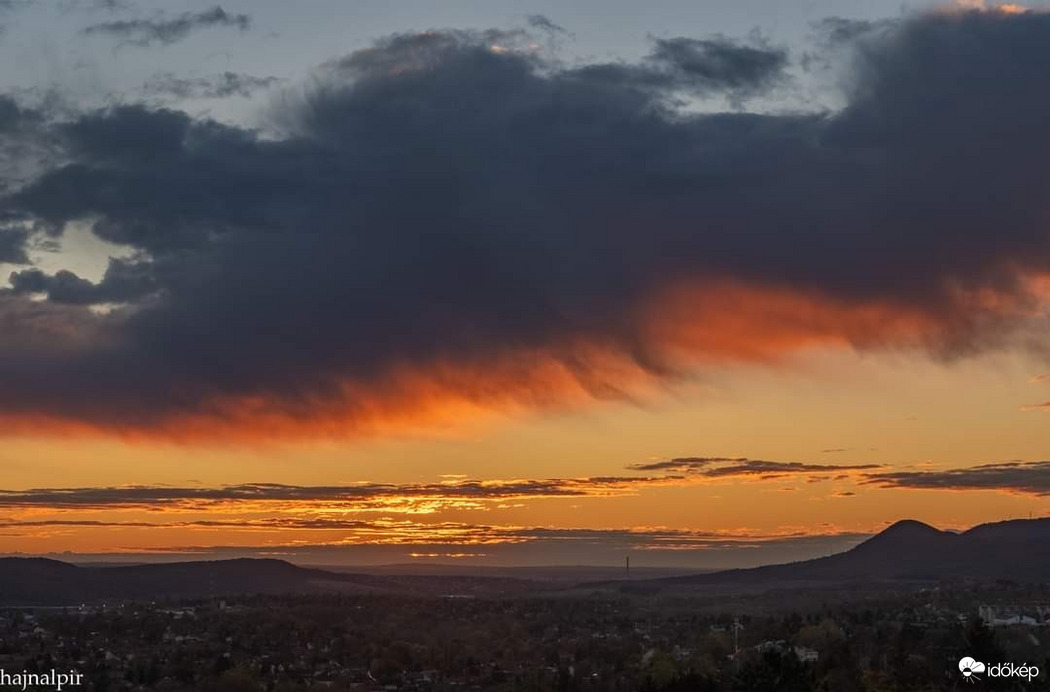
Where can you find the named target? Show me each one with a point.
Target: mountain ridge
(46, 581)
(910, 550)
(906, 551)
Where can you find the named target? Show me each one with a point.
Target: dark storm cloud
(728, 467)
(19, 124)
(124, 282)
(216, 86)
(13, 245)
(1026, 477)
(699, 67)
(146, 32)
(721, 63)
(457, 214)
(24, 145)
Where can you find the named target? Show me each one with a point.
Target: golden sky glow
(494, 296)
(831, 407)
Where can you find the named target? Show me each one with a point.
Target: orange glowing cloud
(681, 328)
(1006, 8)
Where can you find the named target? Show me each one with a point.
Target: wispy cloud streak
(1022, 477)
(164, 31)
(740, 467)
(359, 496)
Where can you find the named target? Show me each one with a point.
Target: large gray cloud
(455, 199)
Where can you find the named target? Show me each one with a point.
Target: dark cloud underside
(453, 216)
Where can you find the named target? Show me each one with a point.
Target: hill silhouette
(41, 581)
(1017, 550)
(47, 582)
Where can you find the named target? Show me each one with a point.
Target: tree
(773, 671)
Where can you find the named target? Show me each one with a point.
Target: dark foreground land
(896, 613)
(872, 638)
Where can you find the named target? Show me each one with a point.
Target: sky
(709, 284)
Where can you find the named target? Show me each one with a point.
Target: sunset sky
(708, 284)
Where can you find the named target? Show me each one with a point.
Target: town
(856, 640)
